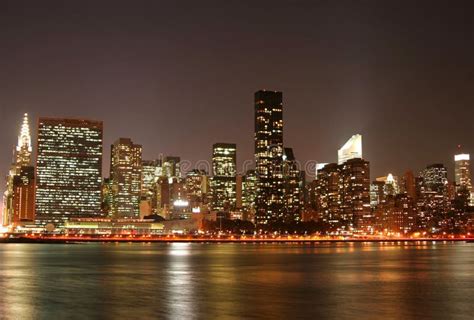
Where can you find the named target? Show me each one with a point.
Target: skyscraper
(149, 175)
(24, 195)
(125, 173)
(68, 169)
(150, 171)
(293, 187)
(18, 199)
(462, 171)
(196, 187)
(249, 194)
(223, 183)
(269, 156)
(343, 197)
(409, 184)
(350, 150)
(328, 195)
(355, 194)
(432, 195)
(435, 178)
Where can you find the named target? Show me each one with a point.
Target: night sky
(178, 76)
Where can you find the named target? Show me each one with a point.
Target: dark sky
(178, 76)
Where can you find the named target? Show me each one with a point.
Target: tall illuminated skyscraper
(435, 178)
(18, 199)
(197, 187)
(433, 201)
(151, 170)
(125, 173)
(350, 150)
(223, 183)
(328, 195)
(355, 195)
(269, 156)
(462, 171)
(68, 169)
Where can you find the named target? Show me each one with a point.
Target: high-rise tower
(462, 171)
(18, 199)
(223, 183)
(125, 172)
(293, 187)
(68, 169)
(269, 156)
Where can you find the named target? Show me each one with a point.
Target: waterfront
(257, 281)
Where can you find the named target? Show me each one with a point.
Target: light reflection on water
(207, 281)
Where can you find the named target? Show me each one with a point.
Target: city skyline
(237, 159)
(68, 183)
(334, 87)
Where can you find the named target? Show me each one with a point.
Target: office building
(249, 194)
(223, 183)
(18, 170)
(68, 169)
(293, 187)
(462, 172)
(125, 173)
(269, 156)
(151, 170)
(355, 195)
(197, 187)
(24, 195)
(328, 196)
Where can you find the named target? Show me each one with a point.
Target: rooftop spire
(24, 149)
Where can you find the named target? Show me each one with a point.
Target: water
(237, 281)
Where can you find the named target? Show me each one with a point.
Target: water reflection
(233, 281)
(16, 281)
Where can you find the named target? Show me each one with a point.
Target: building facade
(125, 173)
(197, 188)
(355, 195)
(269, 151)
(68, 169)
(223, 182)
(293, 187)
(24, 195)
(462, 172)
(19, 182)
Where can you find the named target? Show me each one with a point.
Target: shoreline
(75, 240)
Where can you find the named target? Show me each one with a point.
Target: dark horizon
(177, 78)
